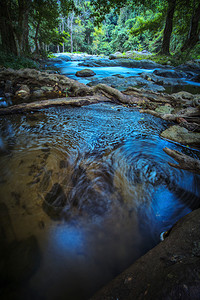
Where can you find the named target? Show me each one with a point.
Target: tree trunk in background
(36, 36)
(194, 32)
(6, 29)
(63, 28)
(168, 27)
(14, 37)
(71, 30)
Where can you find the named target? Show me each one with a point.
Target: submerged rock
(54, 201)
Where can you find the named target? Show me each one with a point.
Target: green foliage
(16, 62)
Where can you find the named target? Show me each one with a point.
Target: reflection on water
(84, 192)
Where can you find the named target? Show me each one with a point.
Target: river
(93, 189)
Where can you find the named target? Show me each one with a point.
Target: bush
(15, 62)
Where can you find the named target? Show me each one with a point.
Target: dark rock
(124, 62)
(161, 80)
(175, 263)
(169, 73)
(85, 73)
(8, 86)
(23, 92)
(196, 78)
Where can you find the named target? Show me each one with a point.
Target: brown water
(83, 193)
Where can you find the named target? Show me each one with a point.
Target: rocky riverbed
(175, 261)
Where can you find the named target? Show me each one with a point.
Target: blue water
(70, 68)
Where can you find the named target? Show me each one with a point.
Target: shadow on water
(85, 192)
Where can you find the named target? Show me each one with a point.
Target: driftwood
(184, 162)
(73, 101)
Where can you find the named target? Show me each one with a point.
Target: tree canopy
(99, 26)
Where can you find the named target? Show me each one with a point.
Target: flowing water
(84, 192)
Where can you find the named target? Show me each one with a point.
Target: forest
(100, 27)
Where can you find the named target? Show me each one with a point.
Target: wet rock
(124, 62)
(115, 81)
(55, 201)
(85, 73)
(161, 80)
(23, 92)
(196, 78)
(175, 264)
(38, 93)
(151, 87)
(181, 135)
(169, 73)
(182, 95)
(190, 65)
(164, 109)
(8, 87)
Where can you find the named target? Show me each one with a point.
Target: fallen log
(185, 162)
(34, 106)
(115, 94)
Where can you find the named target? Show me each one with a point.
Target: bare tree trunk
(168, 27)
(71, 30)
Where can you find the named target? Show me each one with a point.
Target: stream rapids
(84, 193)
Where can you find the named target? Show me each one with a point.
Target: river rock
(85, 73)
(169, 73)
(152, 87)
(161, 80)
(168, 271)
(181, 135)
(196, 78)
(124, 62)
(164, 109)
(182, 95)
(23, 92)
(38, 93)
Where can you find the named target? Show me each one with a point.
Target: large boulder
(85, 73)
(168, 271)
